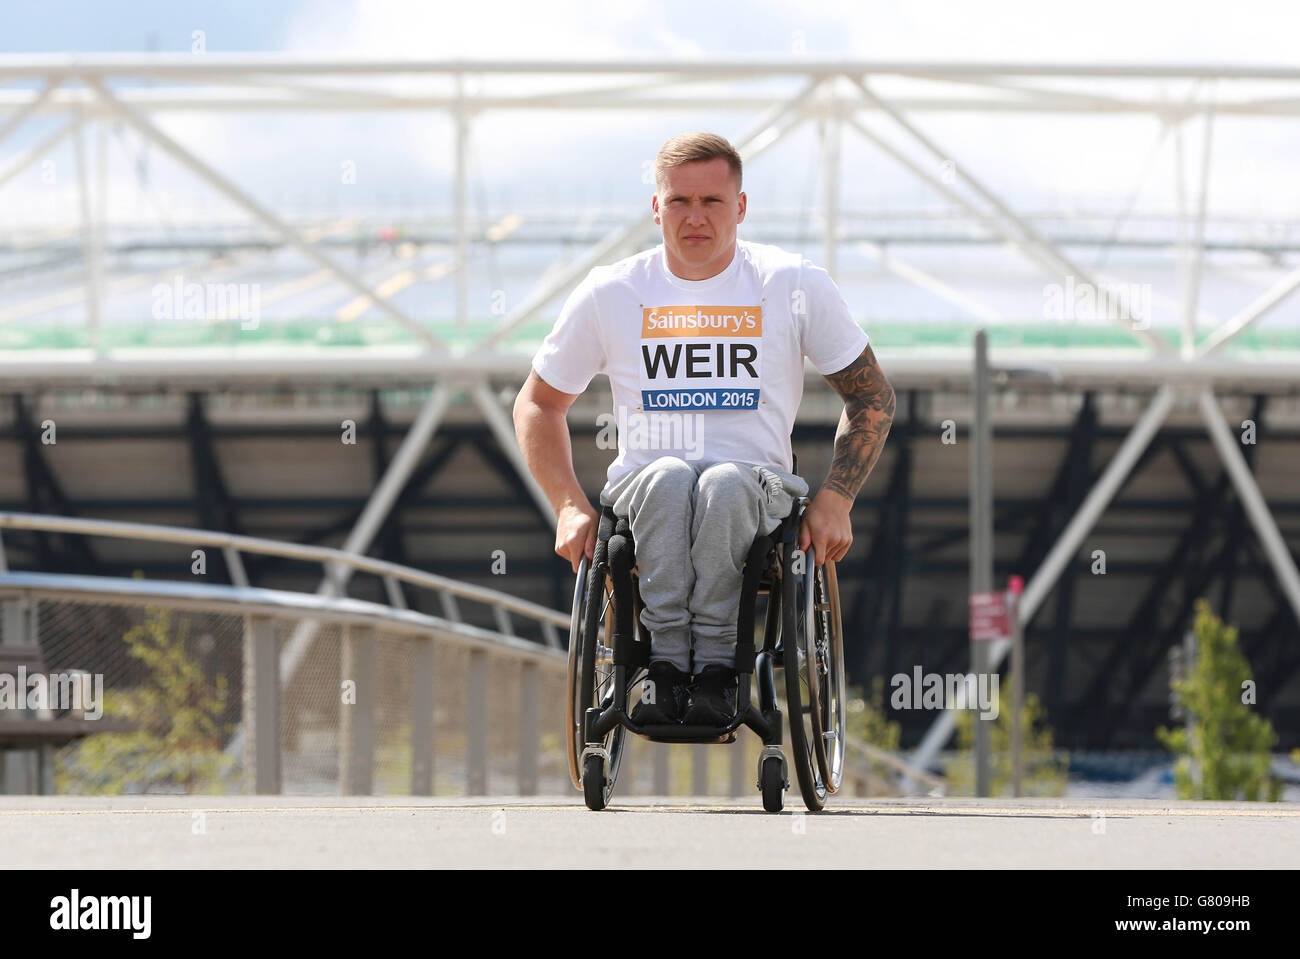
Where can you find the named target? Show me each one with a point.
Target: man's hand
(575, 532)
(826, 527)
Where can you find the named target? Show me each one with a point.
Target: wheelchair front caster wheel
(772, 783)
(593, 783)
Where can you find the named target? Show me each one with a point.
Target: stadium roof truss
(863, 97)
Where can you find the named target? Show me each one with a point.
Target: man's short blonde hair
(693, 147)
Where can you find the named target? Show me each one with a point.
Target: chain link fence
(172, 693)
(173, 700)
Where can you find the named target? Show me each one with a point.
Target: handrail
(254, 601)
(886, 758)
(251, 600)
(250, 544)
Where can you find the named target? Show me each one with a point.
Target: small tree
(1046, 770)
(1224, 753)
(175, 739)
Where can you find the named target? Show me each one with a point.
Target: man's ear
(743, 200)
(654, 205)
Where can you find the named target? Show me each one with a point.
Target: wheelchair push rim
(812, 656)
(591, 679)
(825, 628)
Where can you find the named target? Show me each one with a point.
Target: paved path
(331, 832)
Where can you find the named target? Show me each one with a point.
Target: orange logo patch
(701, 321)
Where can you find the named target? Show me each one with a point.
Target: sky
(1245, 31)
(599, 158)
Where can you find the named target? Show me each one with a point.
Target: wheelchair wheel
(591, 683)
(829, 633)
(813, 660)
(772, 784)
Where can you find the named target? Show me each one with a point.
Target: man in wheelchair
(703, 339)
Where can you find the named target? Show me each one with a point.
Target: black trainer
(712, 699)
(663, 694)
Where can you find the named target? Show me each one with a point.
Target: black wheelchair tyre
(593, 783)
(798, 656)
(772, 784)
(591, 685)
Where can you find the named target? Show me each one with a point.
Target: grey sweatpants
(693, 523)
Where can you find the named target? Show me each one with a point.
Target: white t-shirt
(706, 370)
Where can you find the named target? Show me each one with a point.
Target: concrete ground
(270, 832)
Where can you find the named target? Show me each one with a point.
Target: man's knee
(670, 473)
(725, 481)
(666, 481)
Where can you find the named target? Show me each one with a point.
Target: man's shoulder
(631, 269)
(771, 262)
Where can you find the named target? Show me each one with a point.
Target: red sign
(989, 617)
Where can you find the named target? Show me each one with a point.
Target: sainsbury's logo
(702, 320)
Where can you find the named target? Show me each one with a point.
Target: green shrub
(175, 740)
(1224, 752)
(1045, 770)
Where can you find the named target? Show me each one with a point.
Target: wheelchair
(609, 652)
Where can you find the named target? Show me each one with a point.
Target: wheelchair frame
(803, 603)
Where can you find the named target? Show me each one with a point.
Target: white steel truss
(835, 94)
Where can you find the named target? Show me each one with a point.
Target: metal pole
(357, 720)
(461, 208)
(261, 706)
(1189, 721)
(476, 734)
(529, 722)
(981, 533)
(89, 244)
(422, 756)
(830, 130)
(1014, 588)
(1195, 249)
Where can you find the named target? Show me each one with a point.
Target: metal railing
(360, 630)
(233, 546)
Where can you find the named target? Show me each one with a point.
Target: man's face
(699, 209)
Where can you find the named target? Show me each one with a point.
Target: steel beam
(1252, 500)
(1193, 251)
(460, 119)
(1029, 235)
(215, 508)
(1237, 517)
(504, 432)
(1046, 575)
(830, 129)
(27, 109)
(1262, 305)
(240, 198)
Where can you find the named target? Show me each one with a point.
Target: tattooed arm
(859, 440)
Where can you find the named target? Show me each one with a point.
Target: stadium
(264, 315)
